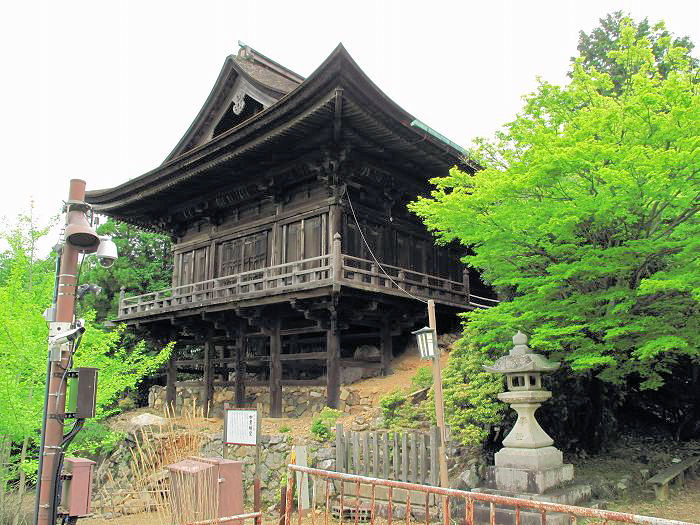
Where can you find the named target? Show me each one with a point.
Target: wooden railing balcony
(335, 269)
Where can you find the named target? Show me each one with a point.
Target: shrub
(398, 412)
(322, 424)
(471, 406)
(95, 439)
(423, 378)
(284, 429)
(126, 403)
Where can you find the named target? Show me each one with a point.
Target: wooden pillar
(335, 219)
(171, 378)
(275, 369)
(335, 225)
(333, 362)
(387, 351)
(465, 281)
(208, 374)
(240, 364)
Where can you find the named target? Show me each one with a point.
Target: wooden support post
(208, 379)
(439, 409)
(171, 378)
(122, 296)
(333, 362)
(387, 352)
(335, 220)
(337, 262)
(240, 364)
(275, 369)
(465, 282)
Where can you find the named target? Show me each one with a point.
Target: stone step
(507, 516)
(567, 495)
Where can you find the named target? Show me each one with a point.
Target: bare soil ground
(404, 368)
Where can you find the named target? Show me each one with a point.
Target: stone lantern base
(537, 474)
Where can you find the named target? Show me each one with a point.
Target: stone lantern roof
(521, 359)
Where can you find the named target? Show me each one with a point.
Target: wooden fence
(410, 456)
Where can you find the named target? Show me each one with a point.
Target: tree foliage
(585, 221)
(145, 264)
(595, 47)
(26, 289)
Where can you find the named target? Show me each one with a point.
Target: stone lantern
(529, 466)
(523, 370)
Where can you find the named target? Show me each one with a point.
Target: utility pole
(439, 407)
(59, 361)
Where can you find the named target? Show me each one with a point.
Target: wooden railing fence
(335, 268)
(407, 455)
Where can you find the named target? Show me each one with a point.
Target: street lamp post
(428, 347)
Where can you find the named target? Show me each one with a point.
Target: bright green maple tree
(26, 289)
(585, 221)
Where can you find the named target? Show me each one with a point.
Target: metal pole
(257, 495)
(56, 397)
(439, 407)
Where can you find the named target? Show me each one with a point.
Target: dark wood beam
(386, 344)
(333, 361)
(171, 379)
(349, 363)
(240, 364)
(275, 369)
(208, 376)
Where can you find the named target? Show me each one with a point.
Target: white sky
(104, 90)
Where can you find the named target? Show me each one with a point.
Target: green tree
(26, 289)
(589, 228)
(145, 264)
(595, 47)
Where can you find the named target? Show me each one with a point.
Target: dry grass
(149, 489)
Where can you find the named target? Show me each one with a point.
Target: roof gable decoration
(248, 83)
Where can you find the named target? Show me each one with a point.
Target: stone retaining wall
(116, 493)
(296, 400)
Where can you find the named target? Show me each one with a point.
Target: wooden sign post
(242, 427)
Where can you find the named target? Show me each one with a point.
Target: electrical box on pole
(82, 392)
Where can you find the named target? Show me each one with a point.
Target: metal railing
(237, 519)
(479, 508)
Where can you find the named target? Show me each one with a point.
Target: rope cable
(364, 240)
(369, 249)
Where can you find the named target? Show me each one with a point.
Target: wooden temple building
(281, 199)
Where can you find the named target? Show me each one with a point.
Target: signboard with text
(240, 426)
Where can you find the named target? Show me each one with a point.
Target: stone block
(567, 495)
(506, 516)
(531, 481)
(529, 458)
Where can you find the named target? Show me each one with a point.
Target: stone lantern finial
(520, 344)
